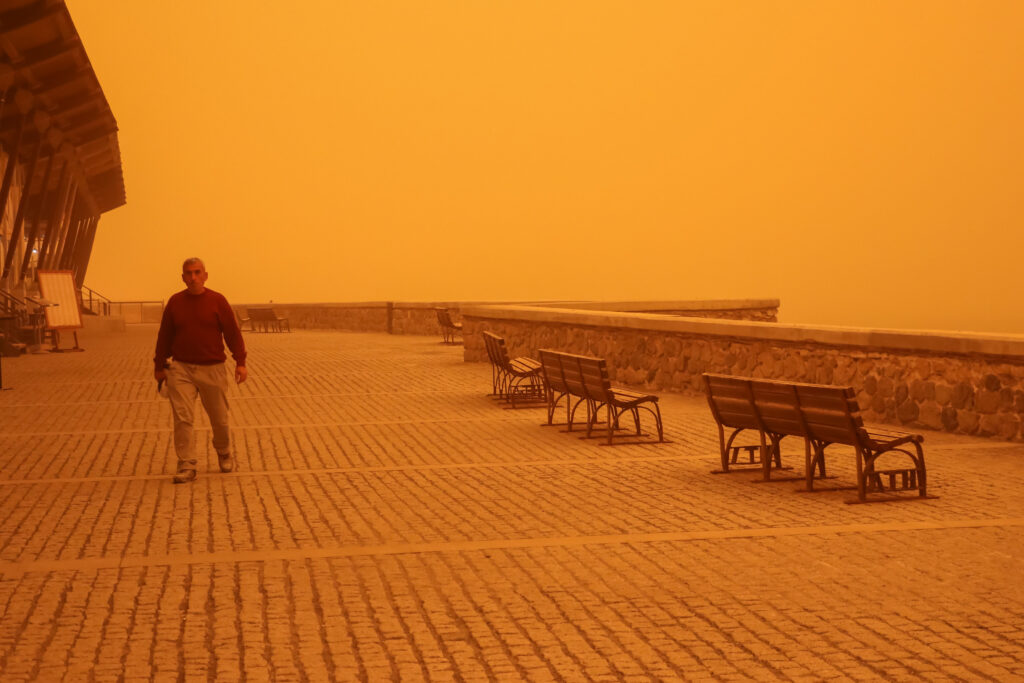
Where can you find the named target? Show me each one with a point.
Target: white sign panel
(58, 288)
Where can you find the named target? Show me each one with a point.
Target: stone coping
(416, 305)
(623, 306)
(281, 304)
(662, 305)
(930, 341)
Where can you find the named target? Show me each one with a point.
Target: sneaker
(186, 472)
(226, 463)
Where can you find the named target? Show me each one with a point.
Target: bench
(567, 375)
(448, 328)
(512, 379)
(820, 414)
(732, 404)
(556, 386)
(266, 320)
(243, 321)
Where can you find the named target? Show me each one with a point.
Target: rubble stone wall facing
(417, 318)
(967, 384)
(376, 316)
(357, 317)
(398, 317)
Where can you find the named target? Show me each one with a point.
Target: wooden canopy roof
(46, 76)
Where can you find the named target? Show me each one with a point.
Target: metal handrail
(137, 311)
(10, 303)
(95, 300)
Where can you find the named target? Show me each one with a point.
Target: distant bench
(448, 328)
(820, 414)
(512, 379)
(568, 376)
(266, 320)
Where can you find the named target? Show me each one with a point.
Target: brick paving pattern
(388, 521)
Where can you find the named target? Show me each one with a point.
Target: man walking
(195, 325)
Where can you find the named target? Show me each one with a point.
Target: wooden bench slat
(831, 435)
(777, 409)
(627, 393)
(781, 425)
(823, 391)
(733, 406)
(739, 420)
(448, 327)
(732, 391)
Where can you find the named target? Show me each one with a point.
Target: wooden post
(75, 258)
(12, 163)
(59, 198)
(74, 230)
(19, 217)
(37, 214)
(58, 225)
(67, 258)
(22, 100)
(90, 236)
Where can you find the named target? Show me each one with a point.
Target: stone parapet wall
(761, 315)
(956, 382)
(759, 310)
(375, 316)
(357, 317)
(420, 318)
(404, 317)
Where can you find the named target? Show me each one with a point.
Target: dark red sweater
(192, 327)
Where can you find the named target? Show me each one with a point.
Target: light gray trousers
(210, 382)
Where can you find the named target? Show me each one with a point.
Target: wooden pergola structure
(58, 144)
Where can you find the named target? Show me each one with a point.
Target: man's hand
(240, 374)
(160, 375)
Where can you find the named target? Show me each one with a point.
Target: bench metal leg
(869, 479)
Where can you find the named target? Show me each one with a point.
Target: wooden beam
(86, 119)
(33, 13)
(16, 106)
(86, 251)
(74, 235)
(69, 106)
(19, 216)
(91, 131)
(69, 77)
(63, 223)
(52, 224)
(48, 53)
(7, 73)
(12, 163)
(83, 234)
(37, 213)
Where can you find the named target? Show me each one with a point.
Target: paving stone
(387, 520)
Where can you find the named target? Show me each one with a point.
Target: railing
(137, 311)
(11, 304)
(96, 303)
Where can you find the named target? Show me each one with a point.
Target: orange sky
(862, 161)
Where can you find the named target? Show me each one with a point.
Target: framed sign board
(58, 286)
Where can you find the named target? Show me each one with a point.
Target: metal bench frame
(822, 415)
(266, 319)
(448, 328)
(586, 378)
(556, 387)
(512, 379)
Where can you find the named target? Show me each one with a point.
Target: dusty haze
(862, 161)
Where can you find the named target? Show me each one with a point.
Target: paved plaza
(389, 521)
